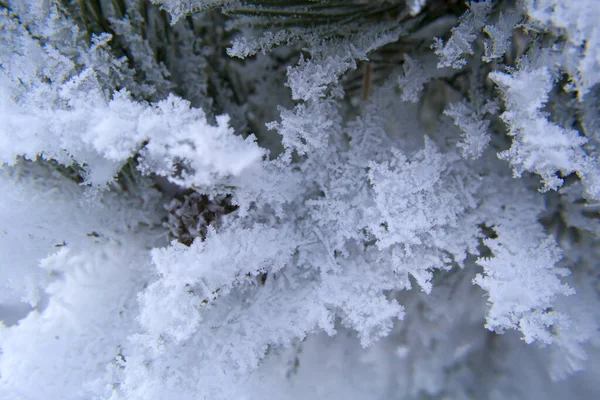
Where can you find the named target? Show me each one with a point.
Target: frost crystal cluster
(308, 199)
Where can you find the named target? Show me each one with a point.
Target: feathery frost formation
(247, 199)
